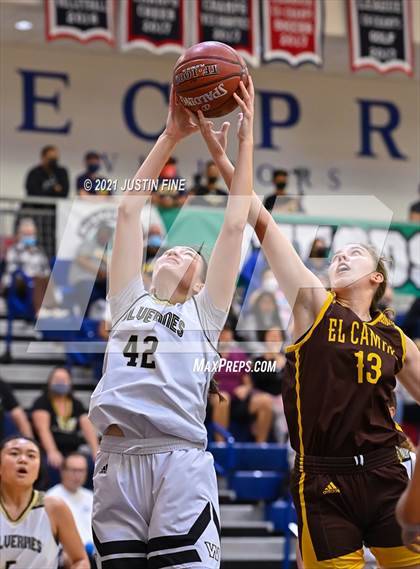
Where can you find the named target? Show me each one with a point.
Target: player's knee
(263, 402)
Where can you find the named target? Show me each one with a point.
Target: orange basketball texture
(206, 76)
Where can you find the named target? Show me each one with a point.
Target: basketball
(206, 76)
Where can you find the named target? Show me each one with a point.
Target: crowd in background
(257, 329)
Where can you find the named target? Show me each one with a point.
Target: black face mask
(320, 253)
(53, 163)
(280, 185)
(212, 179)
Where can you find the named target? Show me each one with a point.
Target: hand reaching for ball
(179, 123)
(246, 117)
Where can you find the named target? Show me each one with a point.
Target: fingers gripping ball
(206, 76)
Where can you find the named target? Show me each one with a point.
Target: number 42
(132, 353)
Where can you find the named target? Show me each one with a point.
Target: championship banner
(381, 35)
(156, 25)
(235, 23)
(292, 31)
(81, 20)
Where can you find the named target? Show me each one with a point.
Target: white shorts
(155, 511)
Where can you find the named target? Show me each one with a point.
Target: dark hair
(46, 149)
(280, 172)
(40, 481)
(92, 154)
(79, 454)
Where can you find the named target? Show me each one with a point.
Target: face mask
(280, 185)
(270, 285)
(320, 253)
(28, 241)
(60, 388)
(52, 163)
(92, 168)
(154, 241)
(212, 179)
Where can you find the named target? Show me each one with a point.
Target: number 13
(375, 366)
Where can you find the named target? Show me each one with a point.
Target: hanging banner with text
(156, 25)
(83, 21)
(293, 31)
(234, 23)
(381, 35)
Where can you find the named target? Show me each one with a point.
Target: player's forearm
(133, 201)
(239, 200)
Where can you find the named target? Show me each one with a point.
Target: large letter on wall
(384, 130)
(128, 107)
(31, 99)
(268, 124)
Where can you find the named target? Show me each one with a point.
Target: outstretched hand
(216, 140)
(246, 116)
(179, 123)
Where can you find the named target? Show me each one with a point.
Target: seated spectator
(317, 262)
(170, 195)
(246, 405)
(414, 211)
(88, 271)
(25, 278)
(209, 194)
(9, 404)
(279, 201)
(48, 179)
(92, 165)
(263, 314)
(60, 420)
(74, 472)
(267, 374)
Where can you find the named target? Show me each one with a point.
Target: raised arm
(224, 261)
(127, 252)
(409, 375)
(303, 290)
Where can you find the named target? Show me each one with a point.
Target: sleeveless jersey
(28, 542)
(154, 381)
(338, 380)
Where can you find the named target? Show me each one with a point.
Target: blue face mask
(29, 241)
(92, 168)
(60, 388)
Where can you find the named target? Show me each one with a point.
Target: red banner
(235, 23)
(81, 21)
(292, 31)
(381, 35)
(156, 25)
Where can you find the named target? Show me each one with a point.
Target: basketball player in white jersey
(155, 490)
(32, 526)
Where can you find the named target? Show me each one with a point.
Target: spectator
(414, 211)
(25, 255)
(170, 196)
(264, 314)
(267, 375)
(88, 271)
(209, 193)
(279, 201)
(9, 404)
(48, 179)
(74, 472)
(92, 164)
(60, 420)
(246, 405)
(317, 261)
(25, 278)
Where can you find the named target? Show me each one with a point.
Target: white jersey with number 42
(149, 387)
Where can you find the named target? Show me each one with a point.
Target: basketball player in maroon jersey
(341, 369)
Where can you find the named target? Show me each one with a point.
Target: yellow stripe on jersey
(327, 303)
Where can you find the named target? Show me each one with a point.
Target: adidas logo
(331, 488)
(104, 469)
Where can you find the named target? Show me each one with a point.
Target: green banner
(398, 242)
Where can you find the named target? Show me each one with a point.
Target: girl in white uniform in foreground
(32, 526)
(155, 491)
